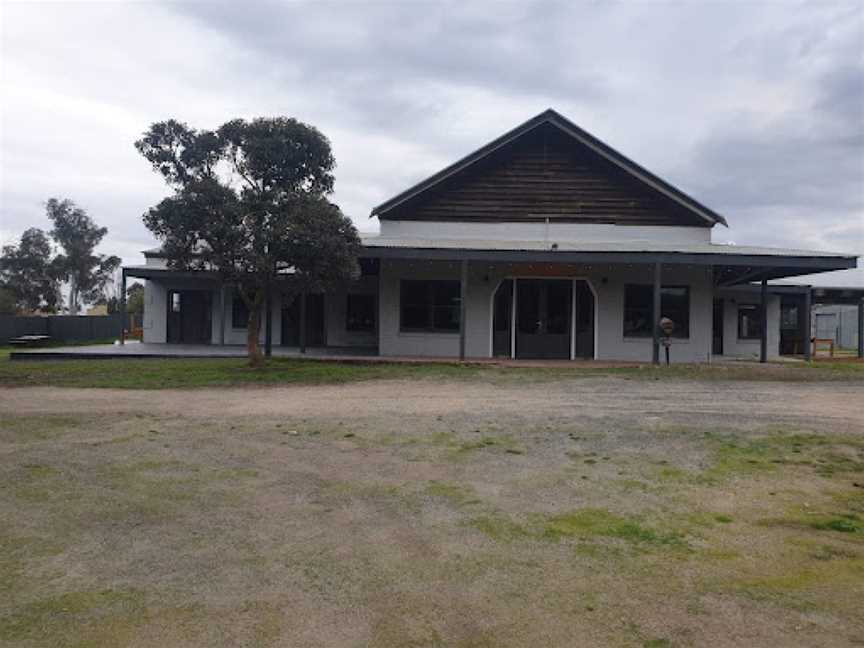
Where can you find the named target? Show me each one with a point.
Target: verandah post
(268, 324)
(655, 315)
(808, 347)
(123, 314)
(302, 322)
(463, 299)
(763, 338)
(861, 328)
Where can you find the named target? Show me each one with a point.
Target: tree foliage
(135, 299)
(250, 204)
(78, 235)
(28, 275)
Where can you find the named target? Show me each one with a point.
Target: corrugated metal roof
(589, 246)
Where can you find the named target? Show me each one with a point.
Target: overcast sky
(756, 110)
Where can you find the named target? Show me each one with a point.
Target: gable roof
(584, 138)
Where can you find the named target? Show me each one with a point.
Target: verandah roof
(733, 264)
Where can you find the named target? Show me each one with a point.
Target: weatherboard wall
(608, 282)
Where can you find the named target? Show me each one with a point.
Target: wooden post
(861, 328)
(222, 314)
(302, 322)
(463, 302)
(807, 307)
(268, 325)
(763, 339)
(513, 321)
(656, 315)
(123, 314)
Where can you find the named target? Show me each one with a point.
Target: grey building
(545, 243)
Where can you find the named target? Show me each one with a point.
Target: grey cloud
(756, 109)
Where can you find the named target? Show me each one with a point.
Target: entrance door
(315, 336)
(717, 336)
(189, 317)
(543, 318)
(502, 314)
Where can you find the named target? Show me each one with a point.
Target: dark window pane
(414, 317)
(637, 311)
(445, 293)
(528, 319)
(789, 317)
(429, 305)
(749, 322)
(239, 312)
(446, 318)
(360, 313)
(558, 307)
(639, 307)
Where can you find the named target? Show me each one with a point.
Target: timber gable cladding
(547, 168)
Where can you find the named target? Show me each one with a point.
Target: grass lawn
(477, 509)
(159, 373)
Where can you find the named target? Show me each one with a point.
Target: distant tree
(7, 301)
(135, 299)
(250, 202)
(78, 235)
(28, 274)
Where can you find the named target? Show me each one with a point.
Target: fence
(838, 322)
(62, 328)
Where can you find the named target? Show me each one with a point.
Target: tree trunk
(253, 349)
(73, 297)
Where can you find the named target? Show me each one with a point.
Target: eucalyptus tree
(28, 275)
(85, 271)
(250, 204)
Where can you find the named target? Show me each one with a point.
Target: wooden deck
(139, 350)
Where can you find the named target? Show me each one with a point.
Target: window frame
(680, 332)
(757, 308)
(354, 329)
(428, 304)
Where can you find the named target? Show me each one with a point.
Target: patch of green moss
(236, 474)
(708, 519)
(55, 620)
(16, 553)
(797, 587)
(657, 642)
(28, 428)
(586, 523)
(849, 523)
(733, 456)
(455, 494)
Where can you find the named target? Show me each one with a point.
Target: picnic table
(30, 340)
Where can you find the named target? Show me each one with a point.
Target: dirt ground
(581, 512)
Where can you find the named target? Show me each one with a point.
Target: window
(789, 317)
(749, 322)
(239, 312)
(360, 313)
(429, 306)
(175, 302)
(639, 306)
